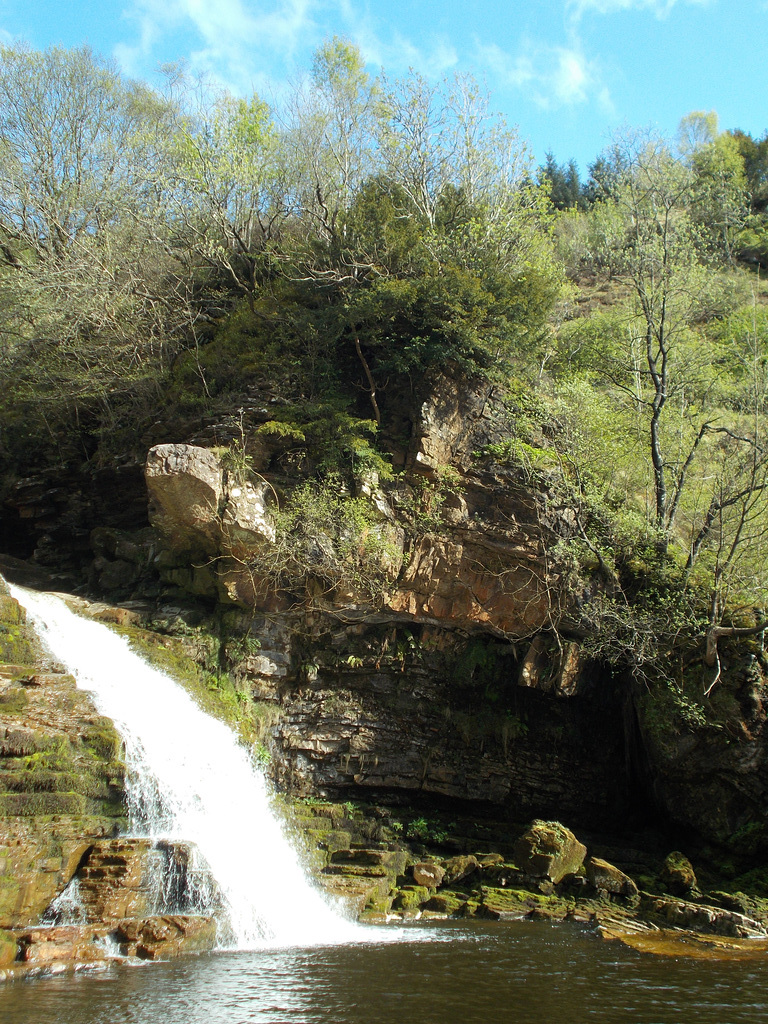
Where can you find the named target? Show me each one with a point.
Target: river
(506, 973)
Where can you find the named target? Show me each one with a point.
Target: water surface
(515, 973)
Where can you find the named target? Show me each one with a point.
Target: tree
(562, 182)
(648, 237)
(331, 152)
(224, 185)
(719, 202)
(698, 419)
(92, 305)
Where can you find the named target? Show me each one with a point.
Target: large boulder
(607, 878)
(428, 874)
(458, 868)
(678, 875)
(200, 507)
(186, 495)
(549, 850)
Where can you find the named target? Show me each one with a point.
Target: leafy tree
(692, 422)
(224, 187)
(719, 202)
(331, 152)
(91, 305)
(754, 153)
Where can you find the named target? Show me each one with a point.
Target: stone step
(357, 870)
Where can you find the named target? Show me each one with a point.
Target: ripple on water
(517, 973)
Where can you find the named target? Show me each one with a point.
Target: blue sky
(569, 73)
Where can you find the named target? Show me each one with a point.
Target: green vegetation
(336, 255)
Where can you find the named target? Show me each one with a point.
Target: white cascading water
(191, 781)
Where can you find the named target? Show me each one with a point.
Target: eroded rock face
(196, 505)
(153, 938)
(483, 567)
(390, 710)
(117, 880)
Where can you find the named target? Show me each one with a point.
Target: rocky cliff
(454, 675)
(61, 780)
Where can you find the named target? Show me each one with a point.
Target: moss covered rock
(458, 868)
(8, 948)
(548, 849)
(678, 875)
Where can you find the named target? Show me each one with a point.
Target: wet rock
(150, 938)
(549, 850)
(511, 905)
(699, 917)
(166, 936)
(68, 944)
(60, 780)
(131, 878)
(692, 945)
(8, 948)
(354, 890)
(410, 897)
(678, 875)
(446, 902)
(116, 880)
(607, 878)
(755, 907)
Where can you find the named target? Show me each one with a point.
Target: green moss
(16, 647)
(446, 902)
(410, 897)
(8, 948)
(521, 903)
(378, 904)
(11, 612)
(24, 805)
(13, 701)
(103, 740)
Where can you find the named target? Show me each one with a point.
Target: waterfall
(190, 780)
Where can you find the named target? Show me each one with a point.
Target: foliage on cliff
(185, 249)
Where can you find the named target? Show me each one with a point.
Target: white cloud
(661, 8)
(247, 44)
(571, 77)
(432, 60)
(231, 38)
(553, 76)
